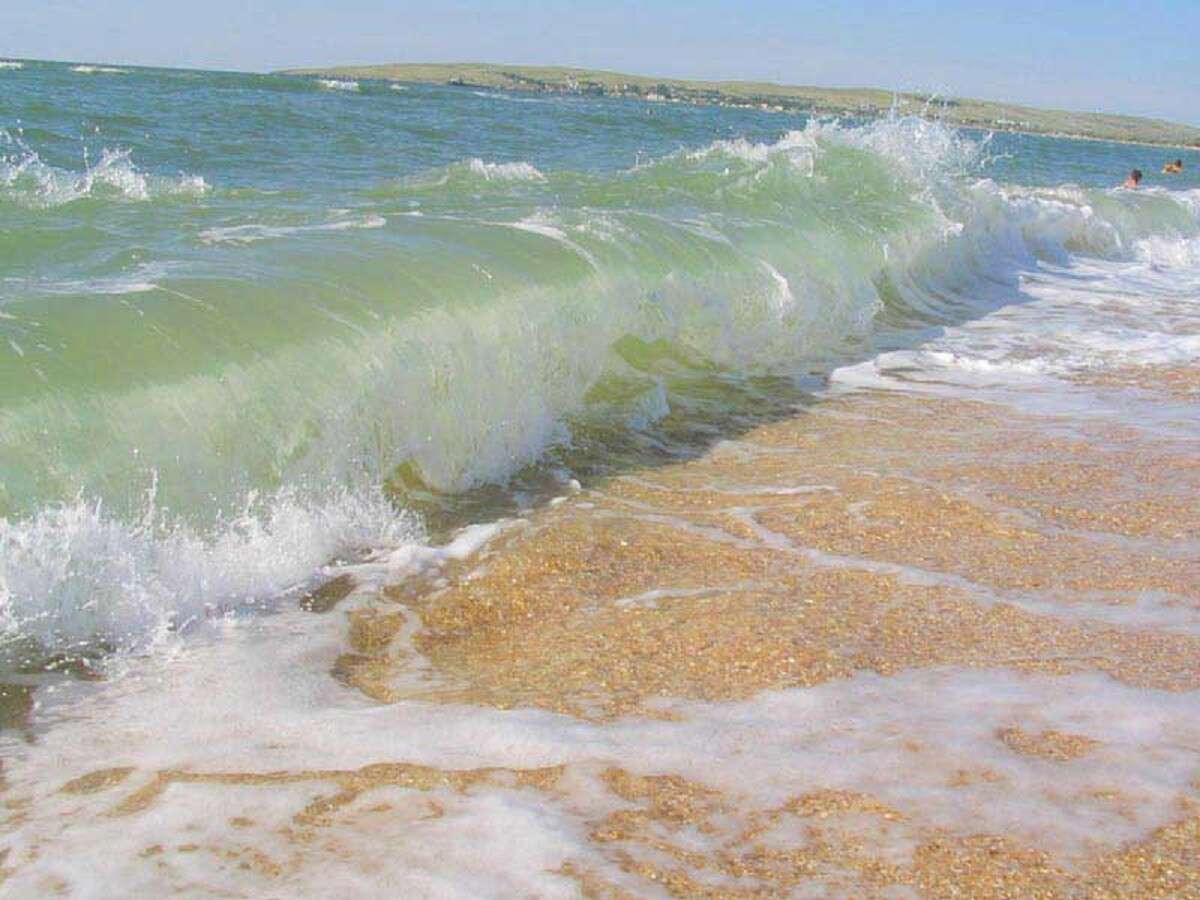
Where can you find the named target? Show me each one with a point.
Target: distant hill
(831, 101)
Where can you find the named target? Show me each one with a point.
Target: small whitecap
(98, 70)
(507, 171)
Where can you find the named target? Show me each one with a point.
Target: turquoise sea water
(251, 324)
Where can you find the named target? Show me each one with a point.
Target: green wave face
(234, 299)
(453, 319)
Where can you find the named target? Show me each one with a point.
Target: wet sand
(873, 533)
(876, 533)
(927, 548)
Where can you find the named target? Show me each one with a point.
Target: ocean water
(253, 325)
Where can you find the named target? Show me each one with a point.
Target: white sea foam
(253, 232)
(72, 574)
(924, 150)
(139, 280)
(1088, 318)
(1170, 252)
(26, 179)
(11, 64)
(797, 148)
(98, 70)
(507, 98)
(540, 225)
(782, 299)
(506, 171)
(393, 565)
(334, 84)
(927, 743)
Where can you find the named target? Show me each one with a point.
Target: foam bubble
(334, 84)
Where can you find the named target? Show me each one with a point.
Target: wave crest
(98, 70)
(522, 310)
(507, 171)
(72, 574)
(26, 179)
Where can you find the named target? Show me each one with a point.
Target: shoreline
(1024, 533)
(870, 103)
(372, 73)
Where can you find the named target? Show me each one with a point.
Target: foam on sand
(316, 788)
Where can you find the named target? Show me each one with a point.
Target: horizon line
(294, 70)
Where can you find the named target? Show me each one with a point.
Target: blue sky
(1130, 57)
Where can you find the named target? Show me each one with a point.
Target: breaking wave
(27, 180)
(512, 171)
(520, 309)
(72, 574)
(98, 70)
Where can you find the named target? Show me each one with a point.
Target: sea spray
(72, 574)
(26, 180)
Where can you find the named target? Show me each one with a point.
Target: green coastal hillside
(831, 101)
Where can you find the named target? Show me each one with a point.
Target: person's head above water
(1134, 179)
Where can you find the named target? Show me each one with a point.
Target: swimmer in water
(1173, 168)
(1134, 179)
